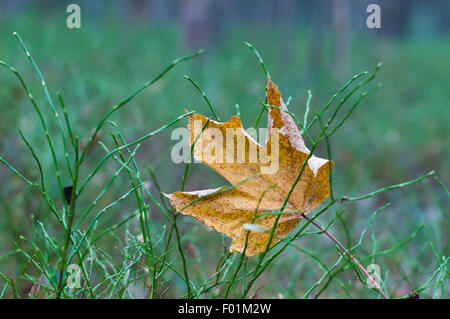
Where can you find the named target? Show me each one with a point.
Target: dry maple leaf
(258, 193)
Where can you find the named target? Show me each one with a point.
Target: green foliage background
(398, 133)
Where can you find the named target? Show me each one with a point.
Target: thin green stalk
(388, 188)
(183, 181)
(360, 266)
(107, 156)
(131, 97)
(66, 118)
(261, 61)
(353, 79)
(346, 115)
(308, 103)
(341, 103)
(205, 97)
(241, 260)
(258, 118)
(183, 258)
(44, 126)
(275, 224)
(290, 239)
(286, 242)
(442, 185)
(286, 201)
(172, 221)
(50, 102)
(330, 176)
(41, 173)
(71, 216)
(111, 180)
(100, 213)
(47, 199)
(144, 230)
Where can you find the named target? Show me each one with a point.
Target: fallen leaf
(258, 192)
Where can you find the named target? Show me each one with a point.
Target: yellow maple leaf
(262, 177)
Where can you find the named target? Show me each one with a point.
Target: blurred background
(398, 133)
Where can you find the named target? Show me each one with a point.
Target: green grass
(395, 134)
